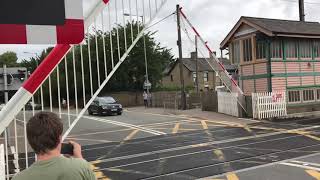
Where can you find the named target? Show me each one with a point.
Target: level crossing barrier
(71, 76)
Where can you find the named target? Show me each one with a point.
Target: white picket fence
(228, 103)
(269, 105)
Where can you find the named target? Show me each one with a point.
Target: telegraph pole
(196, 59)
(179, 43)
(301, 10)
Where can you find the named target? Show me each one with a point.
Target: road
(142, 145)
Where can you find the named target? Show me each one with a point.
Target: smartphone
(67, 149)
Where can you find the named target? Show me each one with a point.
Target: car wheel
(100, 113)
(119, 113)
(90, 112)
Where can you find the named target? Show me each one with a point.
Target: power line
(161, 20)
(292, 1)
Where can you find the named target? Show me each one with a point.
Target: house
(207, 77)
(15, 78)
(277, 55)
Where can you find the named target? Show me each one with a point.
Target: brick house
(207, 77)
(277, 55)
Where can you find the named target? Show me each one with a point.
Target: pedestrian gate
(269, 105)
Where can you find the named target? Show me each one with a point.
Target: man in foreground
(44, 133)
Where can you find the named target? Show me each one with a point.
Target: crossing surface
(212, 150)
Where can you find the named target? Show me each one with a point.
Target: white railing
(269, 105)
(228, 103)
(77, 74)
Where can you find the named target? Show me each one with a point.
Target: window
(316, 49)
(305, 47)
(294, 96)
(247, 50)
(235, 52)
(261, 50)
(194, 76)
(292, 49)
(205, 76)
(318, 94)
(308, 95)
(276, 49)
(171, 78)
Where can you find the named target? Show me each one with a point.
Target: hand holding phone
(67, 149)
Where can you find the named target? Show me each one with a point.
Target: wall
(166, 80)
(128, 99)
(209, 101)
(253, 78)
(188, 79)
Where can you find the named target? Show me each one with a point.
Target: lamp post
(37, 64)
(147, 84)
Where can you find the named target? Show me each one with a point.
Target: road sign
(41, 22)
(147, 85)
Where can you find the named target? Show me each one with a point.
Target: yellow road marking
(130, 136)
(219, 154)
(232, 176)
(314, 174)
(204, 124)
(180, 129)
(247, 128)
(176, 128)
(99, 174)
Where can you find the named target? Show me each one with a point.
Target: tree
(9, 58)
(129, 77)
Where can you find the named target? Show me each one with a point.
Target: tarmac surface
(202, 149)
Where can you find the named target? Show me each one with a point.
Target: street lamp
(37, 63)
(147, 84)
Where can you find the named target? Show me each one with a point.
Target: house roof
(203, 65)
(277, 27)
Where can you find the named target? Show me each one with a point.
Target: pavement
(157, 144)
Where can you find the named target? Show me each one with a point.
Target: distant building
(15, 78)
(207, 77)
(277, 55)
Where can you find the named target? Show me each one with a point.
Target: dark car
(105, 105)
(31, 105)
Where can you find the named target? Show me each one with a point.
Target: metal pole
(301, 10)
(179, 43)
(197, 68)
(146, 61)
(6, 99)
(5, 80)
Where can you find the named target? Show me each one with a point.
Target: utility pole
(195, 57)
(179, 43)
(301, 10)
(6, 98)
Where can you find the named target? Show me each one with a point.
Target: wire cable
(158, 22)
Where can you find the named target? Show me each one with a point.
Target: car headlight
(120, 106)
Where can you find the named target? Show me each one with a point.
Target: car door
(95, 106)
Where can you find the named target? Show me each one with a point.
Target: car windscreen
(107, 100)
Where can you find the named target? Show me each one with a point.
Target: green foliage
(129, 77)
(8, 58)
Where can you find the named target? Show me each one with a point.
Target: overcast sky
(213, 19)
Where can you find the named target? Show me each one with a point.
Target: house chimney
(301, 10)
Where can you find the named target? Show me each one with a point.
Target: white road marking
(306, 163)
(300, 166)
(154, 132)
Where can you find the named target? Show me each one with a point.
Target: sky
(212, 18)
